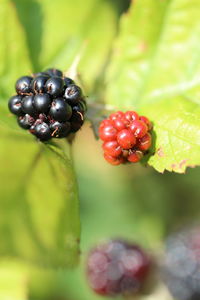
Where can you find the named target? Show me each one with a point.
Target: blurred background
(133, 202)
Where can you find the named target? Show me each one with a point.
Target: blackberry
(41, 105)
(23, 85)
(54, 72)
(38, 84)
(76, 120)
(54, 86)
(67, 81)
(42, 102)
(73, 93)
(60, 130)
(27, 105)
(60, 110)
(15, 105)
(117, 268)
(42, 131)
(79, 107)
(126, 137)
(25, 121)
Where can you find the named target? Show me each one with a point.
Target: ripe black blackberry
(48, 104)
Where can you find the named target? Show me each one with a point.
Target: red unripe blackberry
(126, 139)
(108, 133)
(138, 128)
(115, 161)
(119, 124)
(145, 142)
(117, 268)
(135, 156)
(117, 115)
(131, 116)
(125, 135)
(146, 121)
(112, 148)
(105, 123)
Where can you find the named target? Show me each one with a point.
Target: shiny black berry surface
(73, 93)
(60, 110)
(54, 86)
(48, 104)
(23, 85)
(15, 105)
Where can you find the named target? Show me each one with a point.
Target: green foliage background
(140, 55)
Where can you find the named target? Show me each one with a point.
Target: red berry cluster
(126, 137)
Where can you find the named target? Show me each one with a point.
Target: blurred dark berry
(54, 72)
(67, 81)
(117, 268)
(181, 268)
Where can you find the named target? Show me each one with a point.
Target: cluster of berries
(126, 137)
(181, 270)
(48, 104)
(117, 268)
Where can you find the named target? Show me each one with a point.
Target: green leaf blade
(39, 211)
(13, 51)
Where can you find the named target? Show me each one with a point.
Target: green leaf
(155, 69)
(55, 39)
(13, 52)
(39, 217)
(13, 281)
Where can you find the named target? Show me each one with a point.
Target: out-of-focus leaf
(57, 31)
(39, 216)
(155, 69)
(14, 59)
(13, 281)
